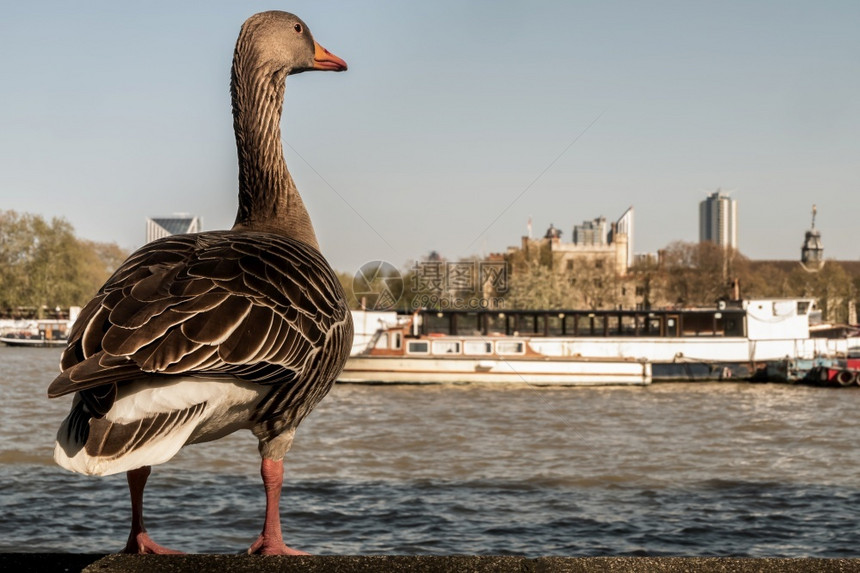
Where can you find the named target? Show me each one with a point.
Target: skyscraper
(157, 228)
(718, 220)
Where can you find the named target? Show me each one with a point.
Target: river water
(671, 469)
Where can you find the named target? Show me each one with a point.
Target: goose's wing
(252, 305)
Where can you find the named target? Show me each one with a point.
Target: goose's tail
(150, 422)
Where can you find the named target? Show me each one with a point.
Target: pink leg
(271, 542)
(138, 540)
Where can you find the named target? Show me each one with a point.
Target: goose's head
(283, 41)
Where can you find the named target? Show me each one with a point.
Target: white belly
(157, 418)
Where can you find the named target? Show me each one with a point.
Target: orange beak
(325, 60)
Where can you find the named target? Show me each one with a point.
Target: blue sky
(456, 122)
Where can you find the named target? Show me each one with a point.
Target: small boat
(844, 372)
(401, 354)
(38, 334)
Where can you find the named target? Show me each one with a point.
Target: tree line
(44, 265)
(694, 274)
(684, 275)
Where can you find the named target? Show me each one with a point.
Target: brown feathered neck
(268, 198)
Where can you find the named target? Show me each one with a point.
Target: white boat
(399, 354)
(37, 334)
(732, 340)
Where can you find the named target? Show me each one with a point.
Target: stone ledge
(419, 564)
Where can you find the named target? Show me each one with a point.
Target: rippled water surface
(670, 469)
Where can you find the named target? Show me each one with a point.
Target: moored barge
(733, 340)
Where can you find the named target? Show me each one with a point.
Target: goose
(197, 336)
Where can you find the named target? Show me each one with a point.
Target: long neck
(268, 198)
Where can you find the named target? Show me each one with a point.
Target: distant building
(812, 252)
(592, 269)
(552, 233)
(624, 226)
(591, 244)
(592, 233)
(157, 228)
(718, 220)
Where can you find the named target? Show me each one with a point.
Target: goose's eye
(298, 28)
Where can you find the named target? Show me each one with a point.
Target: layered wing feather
(256, 306)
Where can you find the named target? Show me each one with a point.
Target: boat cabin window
(389, 340)
(671, 326)
(734, 325)
(510, 347)
(477, 347)
(446, 347)
(418, 347)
